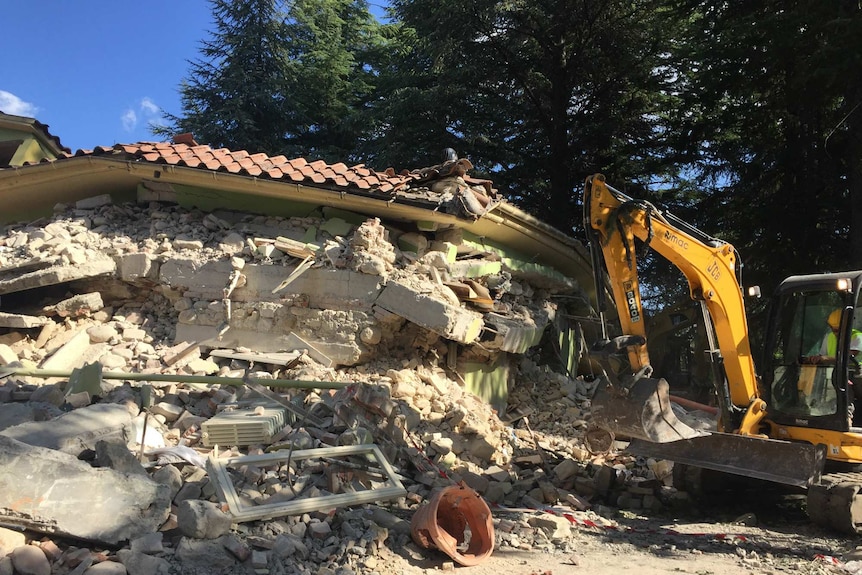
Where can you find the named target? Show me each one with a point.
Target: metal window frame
(217, 470)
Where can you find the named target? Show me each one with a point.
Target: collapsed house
(155, 296)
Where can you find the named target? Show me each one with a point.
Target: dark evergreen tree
(771, 120)
(332, 73)
(282, 77)
(235, 95)
(537, 94)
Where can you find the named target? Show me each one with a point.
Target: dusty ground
(702, 541)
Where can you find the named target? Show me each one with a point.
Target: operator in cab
(829, 345)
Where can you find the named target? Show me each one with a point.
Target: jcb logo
(714, 271)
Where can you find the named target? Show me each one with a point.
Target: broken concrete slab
(515, 335)
(58, 274)
(451, 322)
(67, 497)
(80, 305)
(21, 321)
(282, 358)
(322, 286)
(69, 356)
(77, 430)
(325, 353)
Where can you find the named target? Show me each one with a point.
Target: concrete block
(451, 322)
(449, 250)
(556, 527)
(136, 266)
(48, 491)
(566, 469)
(413, 242)
(77, 430)
(202, 519)
(7, 356)
(169, 411)
(515, 335)
(57, 275)
(169, 475)
(474, 268)
(80, 305)
(69, 356)
(19, 321)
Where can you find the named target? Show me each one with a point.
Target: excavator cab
(809, 372)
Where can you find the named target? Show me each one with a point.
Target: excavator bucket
(641, 411)
(790, 463)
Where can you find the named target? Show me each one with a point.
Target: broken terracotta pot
(457, 521)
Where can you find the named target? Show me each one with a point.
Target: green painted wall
(209, 200)
(513, 259)
(489, 381)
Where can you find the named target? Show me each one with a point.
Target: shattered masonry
(427, 341)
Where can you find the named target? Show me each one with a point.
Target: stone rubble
(151, 289)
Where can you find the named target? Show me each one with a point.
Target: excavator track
(835, 502)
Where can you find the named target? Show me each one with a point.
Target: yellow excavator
(792, 423)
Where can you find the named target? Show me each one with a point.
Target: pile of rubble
(179, 404)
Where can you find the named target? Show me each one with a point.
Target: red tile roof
(427, 187)
(296, 170)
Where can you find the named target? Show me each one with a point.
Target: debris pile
(221, 392)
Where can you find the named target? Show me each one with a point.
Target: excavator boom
(613, 221)
(637, 406)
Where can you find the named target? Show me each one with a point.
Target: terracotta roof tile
(297, 170)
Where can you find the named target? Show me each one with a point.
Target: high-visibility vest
(832, 341)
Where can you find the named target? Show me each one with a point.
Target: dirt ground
(777, 539)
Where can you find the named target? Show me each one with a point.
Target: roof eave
(41, 186)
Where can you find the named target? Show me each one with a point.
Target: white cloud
(129, 120)
(149, 108)
(12, 104)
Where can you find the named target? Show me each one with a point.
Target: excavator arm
(710, 267)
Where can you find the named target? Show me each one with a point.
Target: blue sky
(99, 73)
